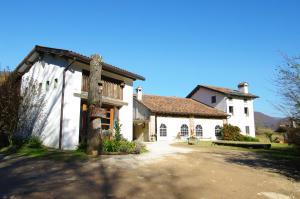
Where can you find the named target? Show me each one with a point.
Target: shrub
(246, 138)
(118, 135)
(139, 147)
(123, 146)
(110, 145)
(230, 132)
(82, 147)
(293, 136)
(34, 142)
(269, 136)
(126, 146)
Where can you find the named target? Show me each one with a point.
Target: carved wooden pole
(94, 106)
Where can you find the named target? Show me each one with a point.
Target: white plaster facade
(238, 118)
(48, 72)
(174, 124)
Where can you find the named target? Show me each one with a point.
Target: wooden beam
(111, 118)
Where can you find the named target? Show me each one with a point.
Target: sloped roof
(227, 91)
(82, 58)
(180, 106)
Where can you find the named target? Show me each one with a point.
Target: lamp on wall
(122, 84)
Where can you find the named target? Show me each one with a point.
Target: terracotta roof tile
(226, 91)
(180, 106)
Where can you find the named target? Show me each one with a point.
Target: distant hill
(265, 121)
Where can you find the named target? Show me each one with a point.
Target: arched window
(184, 130)
(199, 131)
(163, 130)
(218, 131)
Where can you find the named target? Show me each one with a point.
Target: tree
(21, 113)
(94, 106)
(288, 83)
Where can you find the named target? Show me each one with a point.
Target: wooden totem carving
(94, 106)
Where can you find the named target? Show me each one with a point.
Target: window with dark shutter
(213, 99)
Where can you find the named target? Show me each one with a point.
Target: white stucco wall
(126, 112)
(239, 118)
(49, 69)
(204, 95)
(222, 103)
(71, 122)
(174, 125)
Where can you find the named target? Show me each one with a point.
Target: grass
(43, 152)
(277, 151)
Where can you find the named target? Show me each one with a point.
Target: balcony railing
(111, 88)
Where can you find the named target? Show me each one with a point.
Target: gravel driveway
(165, 172)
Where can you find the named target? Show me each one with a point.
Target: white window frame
(247, 130)
(184, 130)
(199, 130)
(218, 130)
(163, 130)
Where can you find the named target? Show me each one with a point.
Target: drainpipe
(155, 127)
(63, 101)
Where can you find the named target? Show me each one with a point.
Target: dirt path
(165, 172)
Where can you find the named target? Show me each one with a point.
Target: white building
(62, 76)
(238, 104)
(159, 118)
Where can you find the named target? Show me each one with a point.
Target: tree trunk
(94, 106)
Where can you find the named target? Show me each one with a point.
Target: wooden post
(94, 106)
(111, 118)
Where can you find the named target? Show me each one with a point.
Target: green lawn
(277, 151)
(43, 153)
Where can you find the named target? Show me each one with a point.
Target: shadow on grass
(284, 160)
(44, 173)
(281, 158)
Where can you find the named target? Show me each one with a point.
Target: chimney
(139, 93)
(243, 87)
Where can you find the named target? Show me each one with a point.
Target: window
(218, 131)
(199, 131)
(213, 99)
(163, 130)
(47, 85)
(184, 131)
(40, 87)
(247, 130)
(245, 100)
(55, 83)
(246, 111)
(230, 98)
(231, 109)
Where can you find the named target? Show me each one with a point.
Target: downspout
(155, 127)
(62, 102)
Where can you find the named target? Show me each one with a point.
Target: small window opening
(55, 82)
(47, 85)
(213, 99)
(231, 110)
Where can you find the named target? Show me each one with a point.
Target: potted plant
(192, 140)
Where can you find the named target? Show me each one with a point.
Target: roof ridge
(154, 95)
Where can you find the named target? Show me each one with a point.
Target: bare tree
(10, 99)
(288, 83)
(21, 113)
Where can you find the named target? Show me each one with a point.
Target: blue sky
(174, 44)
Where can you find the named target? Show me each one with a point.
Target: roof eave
(80, 58)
